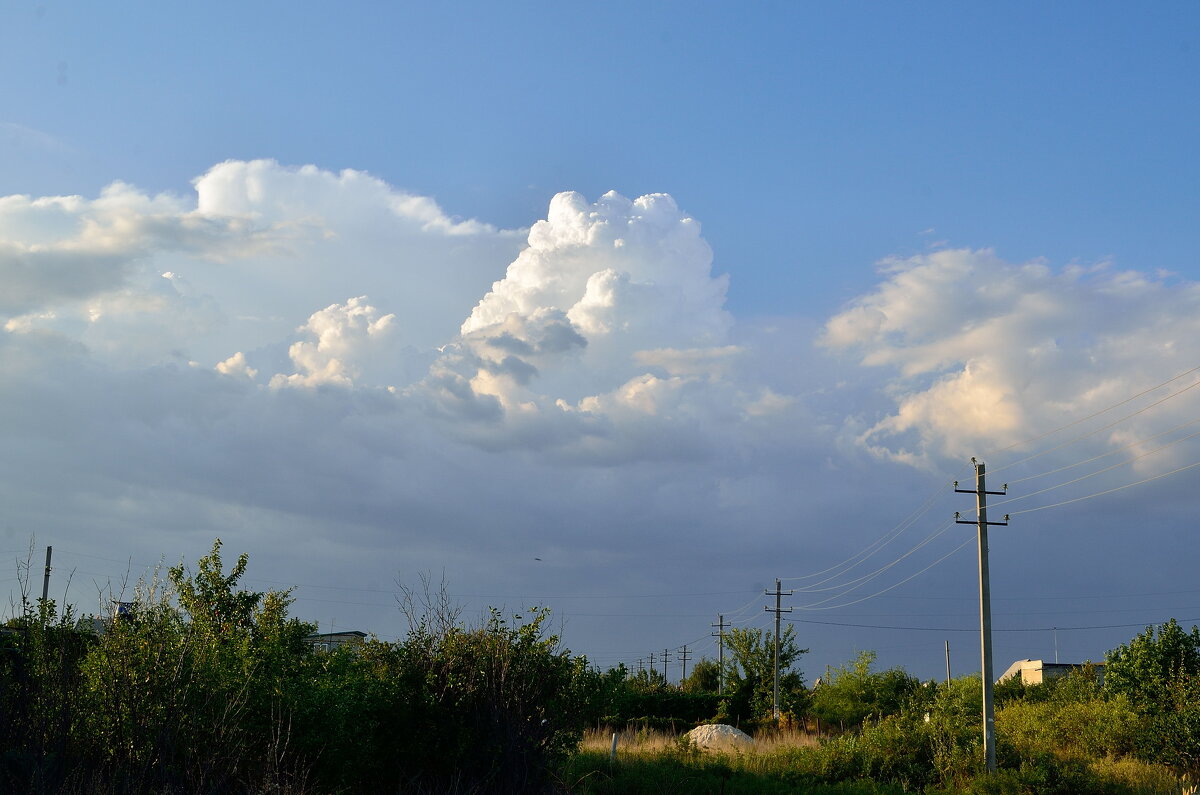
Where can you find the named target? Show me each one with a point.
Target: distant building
(1034, 672)
(329, 641)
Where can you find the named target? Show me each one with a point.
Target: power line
(854, 585)
(1097, 472)
(1093, 415)
(879, 543)
(890, 587)
(1108, 491)
(1114, 451)
(976, 629)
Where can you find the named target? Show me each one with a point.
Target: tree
(1159, 672)
(750, 673)
(850, 694)
(211, 598)
(705, 677)
(1145, 668)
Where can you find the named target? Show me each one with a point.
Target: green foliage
(201, 686)
(509, 701)
(1159, 672)
(1071, 717)
(1146, 668)
(648, 681)
(704, 678)
(849, 695)
(750, 672)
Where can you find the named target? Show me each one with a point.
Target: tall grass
(662, 763)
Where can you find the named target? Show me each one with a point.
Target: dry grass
(785, 739)
(638, 741)
(643, 741)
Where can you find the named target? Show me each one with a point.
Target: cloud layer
(343, 378)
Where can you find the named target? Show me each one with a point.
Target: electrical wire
(1093, 474)
(844, 587)
(1093, 415)
(1107, 491)
(882, 541)
(1091, 433)
(976, 629)
(890, 587)
(1114, 451)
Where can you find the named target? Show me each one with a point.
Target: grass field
(657, 763)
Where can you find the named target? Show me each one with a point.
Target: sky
(626, 310)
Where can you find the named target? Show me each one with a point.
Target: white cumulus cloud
(982, 352)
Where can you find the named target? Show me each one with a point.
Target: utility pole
(720, 635)
(947, 661)
(985, 606)
(778, 592)
(666, 658)
(683, 658)
(46, 579)
(652, 663)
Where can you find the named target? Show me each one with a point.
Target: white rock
(719, 737)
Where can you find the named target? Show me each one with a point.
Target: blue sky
(1061, 131)
(1025, 173)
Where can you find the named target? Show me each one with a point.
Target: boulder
(720, 737)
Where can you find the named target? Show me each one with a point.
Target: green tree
(1146, 668)
(852, 693)
(1159, 672)
(705, 677)
(188, 690)
(750, 673)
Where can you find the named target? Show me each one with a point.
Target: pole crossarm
(976, 522)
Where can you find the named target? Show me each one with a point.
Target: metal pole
(947, 661)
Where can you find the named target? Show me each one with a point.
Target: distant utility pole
(985, 605)
(777, 610)
(947, 661)
(683, 658)
(720, 635)
(652, 663)
(666, 658)
(46, 579)
(641, 664)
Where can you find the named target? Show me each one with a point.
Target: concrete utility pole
(720, 635)
(683, 658)
(666, 658)
(985, 606)
(46, 579)
(947, 661)
(777, 610)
